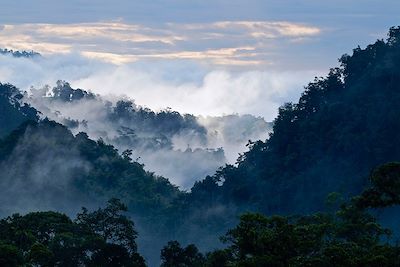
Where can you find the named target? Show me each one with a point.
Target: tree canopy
(53, 239)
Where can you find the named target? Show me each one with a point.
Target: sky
(201, 57)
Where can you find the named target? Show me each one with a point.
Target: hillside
(344, 125)
(43, 161)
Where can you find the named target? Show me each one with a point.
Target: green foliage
(316, 240)
(10, 256)
(219, 258)
(173, 255)
(385, 187)
(110, 224)
(348, 237)
(40, 255)
(53, 239)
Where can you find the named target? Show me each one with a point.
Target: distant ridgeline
(124, 113)
(27, 54)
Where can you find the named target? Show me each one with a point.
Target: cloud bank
(184, 86)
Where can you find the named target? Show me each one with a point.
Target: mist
(181, 147)
(44, 181)
(183, 85)
(218, 98)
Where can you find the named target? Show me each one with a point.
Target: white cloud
(184, 86)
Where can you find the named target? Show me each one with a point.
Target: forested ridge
(343, 125)
(320, 162)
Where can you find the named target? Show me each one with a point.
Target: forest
(321, 190)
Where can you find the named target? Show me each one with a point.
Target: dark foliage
(349, 237)
(25, 54)
(343, 125)
(173, 255)
(53, 239)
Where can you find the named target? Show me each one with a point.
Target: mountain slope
(45, 159)
(343, 125)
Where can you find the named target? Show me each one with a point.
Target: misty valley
(89, 179)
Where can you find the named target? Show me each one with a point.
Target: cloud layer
(220, 43)
(182, 85)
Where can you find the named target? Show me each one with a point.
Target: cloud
(114, 30)
(234, 43)
(183, 85)
(257, 29)
(45, 181)
(214, 93)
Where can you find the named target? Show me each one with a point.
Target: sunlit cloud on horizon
(228, 43)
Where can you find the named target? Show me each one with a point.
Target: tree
(349, 237)
(385, 187)
(10, 256)
(110, 224)
(116, 230)
(53, 239)
(173, 255)
(113, 255)
(41, 255)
